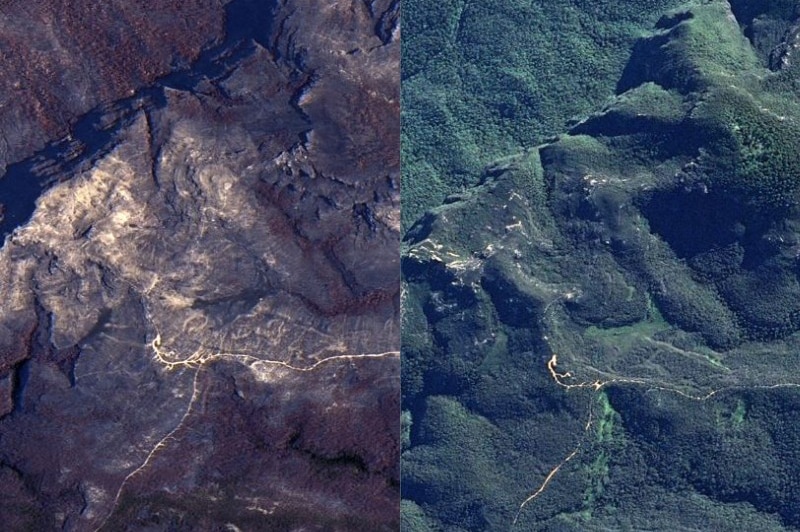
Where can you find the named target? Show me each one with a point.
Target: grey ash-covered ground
(199, 326)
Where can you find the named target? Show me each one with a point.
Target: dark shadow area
(388, 22)
(641, 66)
(246, 22)
(766, 24)
(670, 21)
(21, 376)
(693, 222)
(95, 133)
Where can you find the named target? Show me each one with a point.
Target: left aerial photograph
(199, 271)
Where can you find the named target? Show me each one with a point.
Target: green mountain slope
(482, 79)
(603, 333)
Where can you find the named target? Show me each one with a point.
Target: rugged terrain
(613, 343)
(485, 79)
(200, 317)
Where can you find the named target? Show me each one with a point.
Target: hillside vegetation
(603, 333)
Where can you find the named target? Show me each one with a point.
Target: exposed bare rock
(200, 327)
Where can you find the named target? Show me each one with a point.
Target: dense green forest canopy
(483, 79)
(601, 331)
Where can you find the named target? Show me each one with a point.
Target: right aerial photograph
(601, 265)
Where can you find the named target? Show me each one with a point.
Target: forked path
(198, 362)
(568, 381)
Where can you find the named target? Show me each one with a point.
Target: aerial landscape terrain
(601, 322)
(200, 286)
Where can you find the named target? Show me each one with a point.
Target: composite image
(400, 265)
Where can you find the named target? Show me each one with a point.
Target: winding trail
(198, 362)
(567, 381)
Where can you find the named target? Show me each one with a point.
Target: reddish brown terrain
(62, 58)
(200, 284)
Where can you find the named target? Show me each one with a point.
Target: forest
(601, 266)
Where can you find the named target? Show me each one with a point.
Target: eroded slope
(200, 318)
